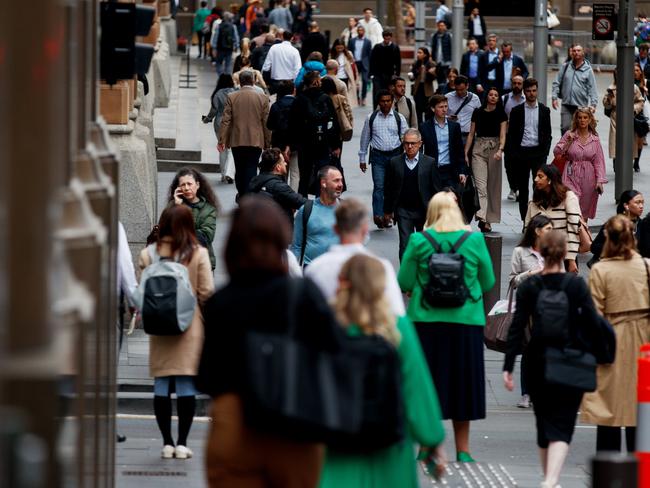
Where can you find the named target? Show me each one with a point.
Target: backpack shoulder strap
(409, 104)
(399, 123)
(306, 213)
(432, 241)
(461, 240)
(373, 116)
(566, 279)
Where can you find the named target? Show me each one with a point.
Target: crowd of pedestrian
(305, 299)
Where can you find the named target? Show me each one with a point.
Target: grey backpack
(165, 297)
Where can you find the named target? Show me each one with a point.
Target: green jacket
(479, 277)
(199, 18)
(395, 466)
(205, 223)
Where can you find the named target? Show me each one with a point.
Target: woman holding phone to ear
(191, 188)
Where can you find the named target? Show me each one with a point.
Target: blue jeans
(378, 161)
(224, 62)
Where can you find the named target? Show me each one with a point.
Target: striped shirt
(565, 217)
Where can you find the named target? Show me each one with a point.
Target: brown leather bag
(344, 123)
(585, 237)
(497, 327)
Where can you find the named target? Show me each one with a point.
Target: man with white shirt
(283, 62)
(352, 229)
(373, 28)
(462, 104)
(528, 140)
(510, 101)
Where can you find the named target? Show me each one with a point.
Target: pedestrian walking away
(225, 86)
(282, 62)
(174, 359)
(462, 104)
(526, 262)
(575, 85)
(410, 182)
(243, 128)
(362, 309)
(382, 132)
(484, 149)
(510, 101)
(559, 204)
(385, 63)
(313, 232)
(441, 51)
(343, 112)
(451, 336)
(192, 189)
(352, 227)
(528, 141)
(568, 322)
(225, 39)
(278, 124)
(242, 449)
(584, 173)
(621, 269)
(315, 41)
(202, 29)
(361, 48)
(281, 16)
(314, 62)
(422, 74)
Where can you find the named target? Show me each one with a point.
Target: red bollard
(643, 417)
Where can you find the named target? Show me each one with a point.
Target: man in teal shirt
(318, 236)
(204, 37)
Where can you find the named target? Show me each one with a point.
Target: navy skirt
(454, 353)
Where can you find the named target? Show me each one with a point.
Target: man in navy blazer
(361, 47)
(443, 142)
(506, 62)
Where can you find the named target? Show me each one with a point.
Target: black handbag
(641, 127)
(469, 198)
(298, 391)
(571, 368)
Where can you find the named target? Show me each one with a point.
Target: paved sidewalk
(506, 437)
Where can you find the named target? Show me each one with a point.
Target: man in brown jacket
(243, 128)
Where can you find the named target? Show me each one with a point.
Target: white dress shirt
(531, 123)
(283, 60)
(325, 270)
(465, 115)
(478, 29)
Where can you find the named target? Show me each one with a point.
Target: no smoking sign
(604, 21)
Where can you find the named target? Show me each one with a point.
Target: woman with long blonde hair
(451, 337)
(362, 309)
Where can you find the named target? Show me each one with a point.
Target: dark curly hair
(205, 189)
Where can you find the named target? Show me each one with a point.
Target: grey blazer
(523, 262)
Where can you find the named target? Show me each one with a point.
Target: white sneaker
(524, 402)
(512, 196)
(167, 452)
(183, 452)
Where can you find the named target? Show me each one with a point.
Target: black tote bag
(570, 367)
(297, 391)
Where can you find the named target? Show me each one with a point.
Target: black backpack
(318, 121)
(382, 411)
(446, 287)
(551, 314)
(226, 37)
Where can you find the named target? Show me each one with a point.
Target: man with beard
(510, 101)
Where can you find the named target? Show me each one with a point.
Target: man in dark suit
(643, 59)
(528, 140)
(385, 62)
(505, 66)
(361, 47)
(443, 142)
(409, 184)
(469, 64)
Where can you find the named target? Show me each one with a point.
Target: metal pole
(381, 12)
(420, 30)
(540, 48)
(624, 96)
(457, 29)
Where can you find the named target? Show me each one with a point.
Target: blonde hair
(361, 298)
(592, 120)
(443, 214)
(245, 47)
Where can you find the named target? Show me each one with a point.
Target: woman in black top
(484, 148)
(555, 406)
(257, 298)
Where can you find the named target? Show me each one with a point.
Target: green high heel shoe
(464, 457)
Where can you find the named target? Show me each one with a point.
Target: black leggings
(186, 407)
(609, 438)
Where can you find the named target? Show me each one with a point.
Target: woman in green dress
(362, 307)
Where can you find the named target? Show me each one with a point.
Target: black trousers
(609, 438)
(246, 159)
(310, 160)
(510, 171)
(525, 162)
(408, 222)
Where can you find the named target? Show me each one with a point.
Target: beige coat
(343, 112)
(353, 79)
(620, 292)
(179, 355)
(244, 119)
(609, 101)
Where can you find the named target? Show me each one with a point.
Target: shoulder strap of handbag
(306, 213)
(465, 102)
(566, 66)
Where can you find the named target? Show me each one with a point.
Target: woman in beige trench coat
(619, 287)
(174, 360)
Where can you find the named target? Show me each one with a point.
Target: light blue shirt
(507, 73)
(384, 133)
(442, 135)
(358, 49)
(320, 231)
(473, 65)
(492, 55)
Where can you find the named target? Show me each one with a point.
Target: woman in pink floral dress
(584, 172)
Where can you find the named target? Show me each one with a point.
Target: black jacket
(470, 27)
(278, 122)
(446, 48)
(516, 130)
(517, 62)
(385, 61)
(456, 148)
(302, 131)
(258, 56)
(314, 41)
(258, 301)
(277, 188)
(428, 182)
(643, 236)
(646, 70)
